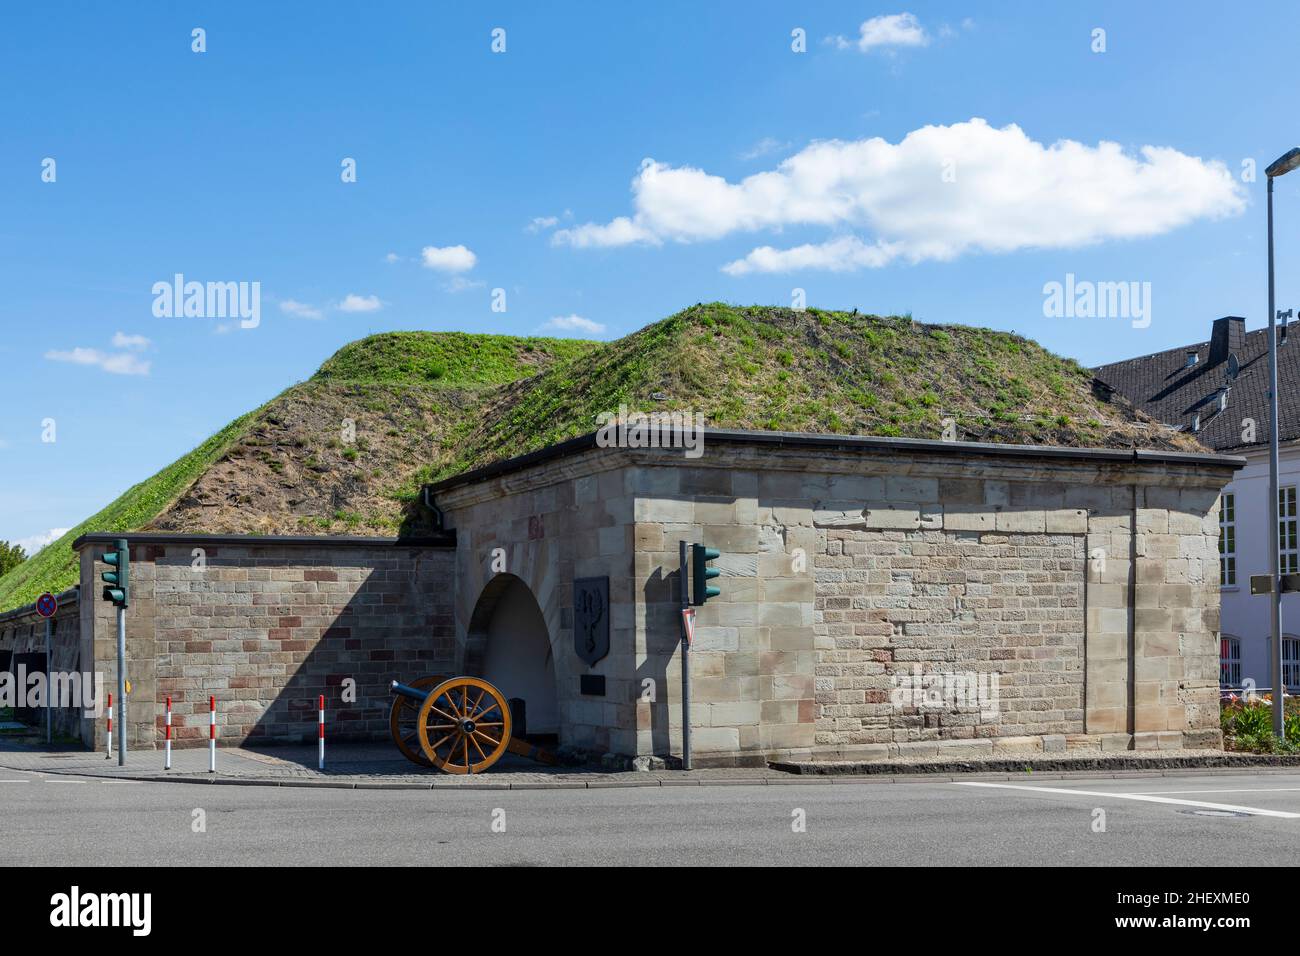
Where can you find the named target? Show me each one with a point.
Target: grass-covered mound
(346, 451)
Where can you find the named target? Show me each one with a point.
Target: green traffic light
(116, 587)
(702, 573)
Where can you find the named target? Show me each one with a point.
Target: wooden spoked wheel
(464, 725)
(402, 721)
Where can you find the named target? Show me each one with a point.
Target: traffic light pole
(685, 581)
(121, 686)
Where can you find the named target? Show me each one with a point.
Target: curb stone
(1130, 765)
(840, 778)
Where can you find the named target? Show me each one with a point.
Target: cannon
(457, 724)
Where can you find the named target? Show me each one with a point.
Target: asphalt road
(1207, 819)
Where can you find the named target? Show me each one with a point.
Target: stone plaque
(591, 618)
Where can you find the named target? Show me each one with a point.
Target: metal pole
(121, 687)
(49, 687)
(684, 582)
(1275, 595)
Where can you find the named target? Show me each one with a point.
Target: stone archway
(508, 645)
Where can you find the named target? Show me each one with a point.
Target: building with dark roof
(1218, 391)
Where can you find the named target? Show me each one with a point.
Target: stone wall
(1084, 583)
(546, 527)
(265, 629)
(1079, 589)
(1004, 609)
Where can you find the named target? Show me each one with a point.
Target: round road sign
(46, 605)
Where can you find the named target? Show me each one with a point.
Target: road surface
(1203, 819)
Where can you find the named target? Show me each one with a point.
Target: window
(1290, 662)
(1288, 557)
(1229, 661)
(1228, 541)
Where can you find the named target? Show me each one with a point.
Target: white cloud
(575, 323)
(448, 258)
(123, 341)
(392, 257)
(838, 255)
(1005, 192)
(764, 147)
(360, 303)
(890, 30)
(35, 542)
(116, 363)
(301, 309)
(540, 223)
(620, 231)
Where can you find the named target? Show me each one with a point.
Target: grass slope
(425, 405)
(817, 371)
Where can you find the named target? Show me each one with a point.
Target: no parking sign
(47, 605)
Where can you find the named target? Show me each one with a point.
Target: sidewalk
(350, 766)
(377, 766)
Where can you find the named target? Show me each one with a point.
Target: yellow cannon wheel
(401, 721)
(464, 725)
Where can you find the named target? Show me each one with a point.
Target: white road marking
(1233, 790)
(1144, 797)
(15, 781)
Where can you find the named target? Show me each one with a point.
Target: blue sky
(226, 166)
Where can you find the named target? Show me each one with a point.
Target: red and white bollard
(167, 751)
(110, 728)
(320, 765)
(212, 735)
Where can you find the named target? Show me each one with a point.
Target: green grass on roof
(431, 404)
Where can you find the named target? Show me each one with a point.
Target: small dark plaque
(593, 685)
(591, 618)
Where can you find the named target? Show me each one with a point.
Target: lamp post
(1279, 167)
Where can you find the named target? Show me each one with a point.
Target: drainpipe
(426, 494)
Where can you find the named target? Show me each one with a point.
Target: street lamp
(1279, 167)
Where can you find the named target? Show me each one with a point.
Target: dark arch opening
(509, 646)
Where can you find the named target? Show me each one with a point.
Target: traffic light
(116, 584)
(701, 573)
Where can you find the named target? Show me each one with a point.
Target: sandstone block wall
(569, 519)
(1086, 585)
(265, 629)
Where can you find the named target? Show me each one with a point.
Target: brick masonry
(265, 629)
(1086, 586)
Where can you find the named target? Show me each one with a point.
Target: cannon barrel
(407, 691)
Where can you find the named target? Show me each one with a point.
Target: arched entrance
(508, 645)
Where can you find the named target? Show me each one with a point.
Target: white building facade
(1219, 391)
(1245, 536)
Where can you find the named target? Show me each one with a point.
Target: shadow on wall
(662, 642)
(390, 623)
(508, 645)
